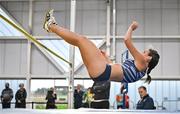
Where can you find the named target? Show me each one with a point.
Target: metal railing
(36, 103)
(171, 101)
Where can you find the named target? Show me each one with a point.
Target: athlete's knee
(82, 39)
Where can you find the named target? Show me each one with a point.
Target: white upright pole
(30, 16)
(108, 27)
(113, 57)
(71, 57)
(28, 75)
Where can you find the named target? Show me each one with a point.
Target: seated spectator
(51, 97)
(20, 97)
(146, 102)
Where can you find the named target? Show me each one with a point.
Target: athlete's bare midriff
(116, 72)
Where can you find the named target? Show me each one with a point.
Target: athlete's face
(146, 53)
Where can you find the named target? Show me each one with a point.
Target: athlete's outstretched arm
(129, 44)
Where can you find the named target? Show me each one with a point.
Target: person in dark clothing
(20, 97)
(146, 102)
(78, 97)
(51, 97)
(6, 96)
(101, 90)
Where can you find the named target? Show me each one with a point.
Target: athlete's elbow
(126, 39)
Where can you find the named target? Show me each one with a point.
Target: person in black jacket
(20, 97)
(51, 97)
(101, 90)
(6, 96)
(146, 102)
(78, 97)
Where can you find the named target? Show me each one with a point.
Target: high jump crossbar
(33, 39)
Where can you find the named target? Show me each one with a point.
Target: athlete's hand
(134, 25)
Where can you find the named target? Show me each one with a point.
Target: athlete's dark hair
(154, 61)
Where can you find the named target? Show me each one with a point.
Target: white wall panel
(131, 91)
(119, 50)
(159, 92)
(13, 60)
(167, 4)
(41, 5)
(79, 20)
(2, 49)
(178, 94)
(170, 22)
(92, 4)
(91, 14)
(122, 22)
(178, 90)
(166, 92)
(152, 4)
(23, 57)
(152, 89)
(135, 4)
(121, 4)
(82, 71)
(60, 6)
(40, 65)
(25, 20)
(173, 95)
(89, 22)
(170, 55)
(12, 6)
(152, 22)
(12, 57)
(20, 11)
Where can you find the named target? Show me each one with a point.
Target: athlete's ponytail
(154, 61)
(148, 79)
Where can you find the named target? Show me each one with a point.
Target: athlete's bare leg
(93, 58)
